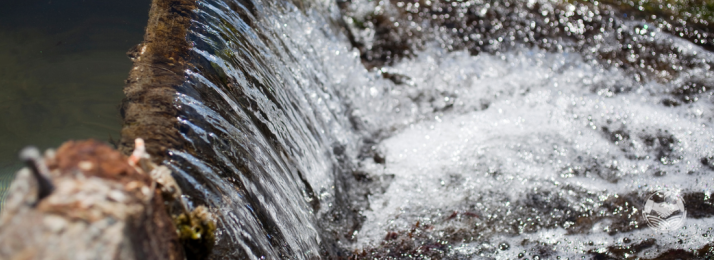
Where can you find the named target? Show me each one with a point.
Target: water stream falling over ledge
(391, 129)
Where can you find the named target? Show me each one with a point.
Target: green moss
(196, 232)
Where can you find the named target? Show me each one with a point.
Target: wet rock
(631, 251)
(602, 31)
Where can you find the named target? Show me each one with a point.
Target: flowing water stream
(444, 129)
(447, 129)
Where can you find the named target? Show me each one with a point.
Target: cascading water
(498, 137)
(266, 129)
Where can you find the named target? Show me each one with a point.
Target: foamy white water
(486, 154)
(531, 138)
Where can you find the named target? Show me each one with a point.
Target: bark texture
(159, 66)
(101, 207)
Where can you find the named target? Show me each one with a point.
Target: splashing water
(547, 156)
(527, 128)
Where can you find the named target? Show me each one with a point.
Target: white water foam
(520, 123)
(477, 140)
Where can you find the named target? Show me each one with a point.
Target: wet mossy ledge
(159, 65)
(88, 201)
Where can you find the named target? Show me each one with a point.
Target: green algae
(196, 230)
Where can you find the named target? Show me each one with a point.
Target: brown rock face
(100, 208)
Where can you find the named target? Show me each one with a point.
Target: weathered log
(100, 206)
(159, 65)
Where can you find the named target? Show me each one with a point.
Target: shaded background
(62, 68)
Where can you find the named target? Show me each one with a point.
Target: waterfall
(267, 135)
(312, 131)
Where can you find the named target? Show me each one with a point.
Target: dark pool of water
(62, 69)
